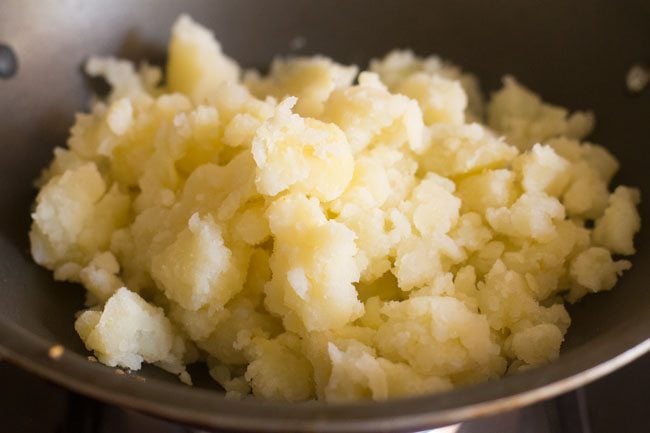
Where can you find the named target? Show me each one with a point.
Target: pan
(575, 53)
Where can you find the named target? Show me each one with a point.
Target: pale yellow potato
(313, 267)
(420, 260)
(129, 331)
(441, 100)
(439, 336)
(196, 65)
(488, 189)
(453, 150)
(542, 169)
(509, 304)
(369, 114)
(595, 270)
(358, 373)
(314, 234)
(232, 340)
(100, 278)
(399, 65)
(616, 228)
(65, 205)
(547, 338)
(587, 194)
(595, 156)
(544, 265)
(310, 79)
(433, 208)
(470, 232)
(533, 215)
(190, 270)
(279, 370)
(299, 154)
(525, 119)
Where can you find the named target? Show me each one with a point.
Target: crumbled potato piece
(616, 228)
(231, 341)
(279, 370)
(196, 65)
(525, 119)
(489, 189)
(586, 195)
(442, 100)
(310, 79)
(438, 335)
(597, 157)
(191, 269)
(369, 114)
(399, 65)
(358, 373)
(64, 206)
(507, 301)
(129, 331)
(542, 169)
(299, 154)
(460, 149)
(595, 270)
(100, 278)
(547, 339)
(531, 216)
(313, 267)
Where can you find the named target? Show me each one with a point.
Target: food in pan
(317, 232)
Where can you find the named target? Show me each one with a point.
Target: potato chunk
(454, 150)
(595, 270)
(442, 100)
(615, 230)
(191, 269)
(63, 207)
(368, 113)
(300, 154)
(313, 267)
(525, 119)
(532, 215)
(279, 371)
(357, 372)
(196, 65)
(438, 335)
(541, 169)
(128, 331)
(310, 79)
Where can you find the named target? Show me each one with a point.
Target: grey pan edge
(210, 409)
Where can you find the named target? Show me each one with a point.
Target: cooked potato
(311, 233)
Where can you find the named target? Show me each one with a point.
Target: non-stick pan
(575, 53)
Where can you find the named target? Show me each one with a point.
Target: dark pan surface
(574, 53)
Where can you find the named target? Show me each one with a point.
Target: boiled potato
(319, 233)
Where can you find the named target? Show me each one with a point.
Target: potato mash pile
(317, 232)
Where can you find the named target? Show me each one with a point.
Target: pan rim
(30, 352)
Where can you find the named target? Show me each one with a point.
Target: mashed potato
(319, 233)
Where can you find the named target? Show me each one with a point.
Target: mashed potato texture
(317, 232)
